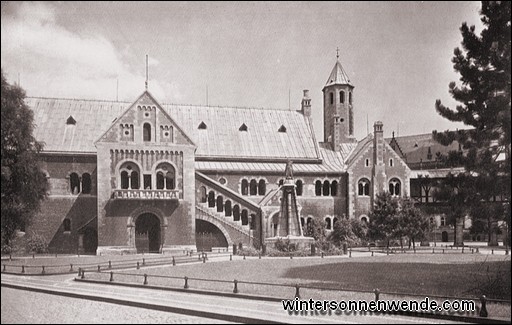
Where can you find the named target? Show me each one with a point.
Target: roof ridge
(166, 104)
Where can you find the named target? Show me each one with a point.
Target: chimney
(378, 143)
(306, 104)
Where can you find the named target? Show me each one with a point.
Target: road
(77, 302)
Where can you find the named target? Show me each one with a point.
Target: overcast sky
(397, 55)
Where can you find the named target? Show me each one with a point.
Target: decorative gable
(146, 122)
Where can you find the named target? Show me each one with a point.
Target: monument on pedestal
(289, 227)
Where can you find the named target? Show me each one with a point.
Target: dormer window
(243, 127)
(202, 126)
(282, 129)
(70, 121)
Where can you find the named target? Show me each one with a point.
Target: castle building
(147, 176)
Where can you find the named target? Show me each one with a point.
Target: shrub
(37, 244)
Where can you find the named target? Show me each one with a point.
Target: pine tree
(23, 183)
(484, 66)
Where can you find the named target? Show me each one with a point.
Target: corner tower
(338, 108)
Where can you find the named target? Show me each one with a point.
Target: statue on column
(289, 170)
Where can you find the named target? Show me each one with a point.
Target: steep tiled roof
(358, 148)
(338, 76)
(415, 148)
(221, 137)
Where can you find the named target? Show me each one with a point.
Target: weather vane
(337, 53)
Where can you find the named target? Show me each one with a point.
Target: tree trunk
(459, 232)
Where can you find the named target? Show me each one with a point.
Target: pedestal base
(300, 242)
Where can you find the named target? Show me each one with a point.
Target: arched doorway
(147, 233)
(208, 236)
(444, 236)
(90, 242)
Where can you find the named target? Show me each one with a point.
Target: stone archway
(148, 233)
(444, 236)
(209, 235)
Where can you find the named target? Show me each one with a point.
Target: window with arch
(318, 188)
(299, 187)
(86, 183)
(165, 177)
(227, 208)
(66, 224)
(431, 220)
(129, 176)
(203, 197)
(363, 187)
(350, 97)
(443, 221)
(342, 97)
(331, 98)
(367, 162)
(74, 183)
(394, 187)
(391, 162)
(211, 199)
(245, 217)
(328, 223)
(244, 187)
(364, 219)
(236, 212)
(334, 188)
(262, 187)
(220, 203)
(146, 132)
(253, 187)
(325, 188)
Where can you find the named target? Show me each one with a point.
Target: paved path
(26, 307)
(205, 306)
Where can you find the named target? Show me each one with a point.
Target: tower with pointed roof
(338, 108)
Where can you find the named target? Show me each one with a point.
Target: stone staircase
(226, 221)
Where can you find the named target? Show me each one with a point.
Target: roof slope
(415, 148)
(221, 138)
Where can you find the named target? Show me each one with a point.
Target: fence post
(259, 256)
(492, 251)
(297, 293)
(477, 250)
(472, 250)
(186, 283)
(244, 256)
(230, 257)
(109, 265)
(83, 274)
(79, 271)
(138, 266)
(99, 268)
(462, 249)
(199, 257)
(33, 256)
(143, 261)
(204, 259)
(387, 251)
(145, 279)
(350, 252)
(322, 254)
(372, 253)
(71, 268)
(433, 251)
(23, 269)
(10, 257)
(173, 261)
(291, 256)
(483, 308)
(443, 250)
(235, 289)
(111, 276)
(43, 271)
(377, 293)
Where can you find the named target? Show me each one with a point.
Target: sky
(243, 54)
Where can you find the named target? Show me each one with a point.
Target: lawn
(443, 275)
